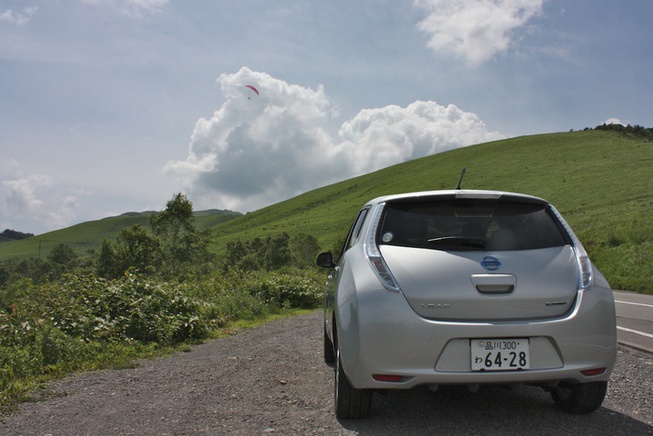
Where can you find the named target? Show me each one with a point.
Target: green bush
(85, 322)
(129, 309)
(225, 299)
(284, 289)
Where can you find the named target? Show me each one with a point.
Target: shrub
(289, 288)
(86, 321)
(132, 308)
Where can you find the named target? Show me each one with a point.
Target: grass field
(89, 235)
(601, 181)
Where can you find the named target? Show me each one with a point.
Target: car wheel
(329, 354)
(579, 397)
(351, 403)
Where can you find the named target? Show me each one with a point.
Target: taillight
(388, 378)
(592, 372)
(374, 254)
(585, 266)
(585, 274)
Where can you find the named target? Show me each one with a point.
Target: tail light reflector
(594, 371)
(388, 377)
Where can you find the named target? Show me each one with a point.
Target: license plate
(500, 354)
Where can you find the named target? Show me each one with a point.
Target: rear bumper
(380, 334)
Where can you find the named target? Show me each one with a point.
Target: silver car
(466, 287)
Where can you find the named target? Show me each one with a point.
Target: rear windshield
(470, 224)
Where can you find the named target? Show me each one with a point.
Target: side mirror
(325, 260)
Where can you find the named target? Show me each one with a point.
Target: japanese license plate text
(500, 354)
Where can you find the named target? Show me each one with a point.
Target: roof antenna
(461, 178)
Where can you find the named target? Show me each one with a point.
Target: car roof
(460, 194)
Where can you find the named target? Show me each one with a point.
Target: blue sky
(109, 106)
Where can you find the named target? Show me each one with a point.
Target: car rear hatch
(530, 284)
(477, 257)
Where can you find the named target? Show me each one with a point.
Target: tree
(38, 270)
(236, 251)
(182, 245)
(270, 253)
(176, 219)
(243, 255)
(277, 252)
(174, 248)
(4, 276)
(304, 249)
(108, 263)
(63, 255)
(16, 235)
(138, 249)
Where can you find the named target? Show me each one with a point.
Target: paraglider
(253, 89)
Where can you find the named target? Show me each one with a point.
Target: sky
(112, 106)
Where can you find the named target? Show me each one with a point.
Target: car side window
(355, 230)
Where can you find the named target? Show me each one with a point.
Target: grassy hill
(601, 181)
(89, 235)
(592, 177)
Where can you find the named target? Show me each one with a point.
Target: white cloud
(614, 121)
(11, 16)
(260, 149)
(20, 194)
(474, 30)
(34, 202)
(257, 148)
(389, 135)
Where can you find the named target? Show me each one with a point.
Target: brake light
(387, 378)
(585, 274)
(585, 267)
(374, 255)
(595, 371)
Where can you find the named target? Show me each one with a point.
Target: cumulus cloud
(32, 201)
(260, 149)
(474, 30)
(17, 18)
(614, 121)
(377, 138)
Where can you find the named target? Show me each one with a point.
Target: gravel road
(271, 380)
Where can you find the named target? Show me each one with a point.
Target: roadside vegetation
(150, 292)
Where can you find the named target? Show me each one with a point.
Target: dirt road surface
(271, 380)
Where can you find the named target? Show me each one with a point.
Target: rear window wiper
(460, 241)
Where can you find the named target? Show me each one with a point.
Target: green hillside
(591, 177)
(89, 235)
(601, 181)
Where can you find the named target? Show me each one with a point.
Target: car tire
(579, 398)
(351, 403)
(329, 354)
